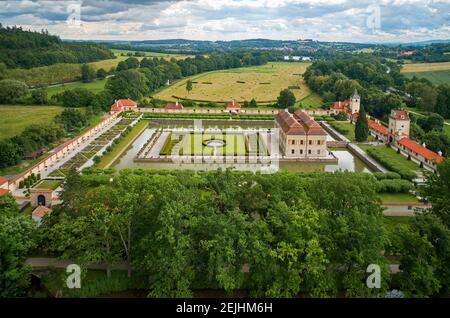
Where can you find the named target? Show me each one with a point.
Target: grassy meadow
(263, 83)
(95, 87)
(166, 56)
(15, 118)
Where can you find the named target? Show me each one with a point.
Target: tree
(101, 73)
(15, 243)
(132, 62)
(127, 84)
(437, 189)
(39, 96)
(189, 86)
(77, 97)
(361, 126)
(87, 73)
(12, 90)
(122, 66)
(253, 103)
(286, 99)
(9, 153)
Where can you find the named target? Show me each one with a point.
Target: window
(301, 142)
(309, 151)
(293, 151)
(310, 142)
(301, 151)
(292, 142)
(318, 152)
(318, 142)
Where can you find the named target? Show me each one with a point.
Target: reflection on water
(346, 161)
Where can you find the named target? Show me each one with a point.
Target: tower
(355, 102)
(399, 124)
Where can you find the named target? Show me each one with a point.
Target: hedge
(395, 186)
(386, 175)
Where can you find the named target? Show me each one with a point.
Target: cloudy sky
(328, 20)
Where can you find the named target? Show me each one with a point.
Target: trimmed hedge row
(386, 175)
(395, 186)
(208, 116)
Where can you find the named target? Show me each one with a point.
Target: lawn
(15, 118)
(137, 129)
(313, 100)
(263, 83)
(394, 158)
(49, 184)
(194, 144)
(345, 128)
(397, 197)
(95, 87)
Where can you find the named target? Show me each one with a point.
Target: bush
(395, 186)
(97, 159)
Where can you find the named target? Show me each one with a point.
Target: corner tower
(355, 102)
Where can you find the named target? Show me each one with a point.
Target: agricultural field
(263, 83)
(15, 118)
(95, 87)
(166, 56)
(437, 73)
(58, 73)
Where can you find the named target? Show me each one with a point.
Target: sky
(325, 20)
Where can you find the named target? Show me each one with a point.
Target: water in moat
(346, 160)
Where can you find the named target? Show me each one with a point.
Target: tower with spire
(355, 102)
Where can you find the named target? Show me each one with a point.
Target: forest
(276, 235)
(26, 49)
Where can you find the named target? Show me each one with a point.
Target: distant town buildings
(297, 58)
(301, 136)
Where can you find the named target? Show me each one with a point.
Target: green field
(263, 83)
(435, 77)
(95, 87)
(313, 100)
(15, 118)
(394, 157)
(58, 73)
(166, 56)
(437, 73)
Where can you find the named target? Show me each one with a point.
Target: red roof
(41, 210)
(4, 192)
(399, 114)
(340, 105)
(421, 150)
(377, 127)
(3, 180)
(175, 105)
(120, 103)
(298, 124)
(233, 105)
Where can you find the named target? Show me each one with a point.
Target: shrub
(96, 159)
(386, 175)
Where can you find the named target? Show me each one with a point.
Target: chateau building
(301, 136)
(123, 105)
(349, 106)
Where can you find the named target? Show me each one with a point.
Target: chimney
(176, 103)
(233, 102)
(440, 153)
(424, 145)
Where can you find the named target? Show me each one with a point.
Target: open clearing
(94, 86)
(435, 77)
(263, 83)
(15, 118)
(166, 56)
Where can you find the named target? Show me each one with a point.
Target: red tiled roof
(377, 127)
(4, 192)
(118, 104)
(233, 105)
(41, 210)
(175, 105)
(289, 124)
(340, 105)
(399, 114)
(310, 125)
(421, 150)
(3, 180)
